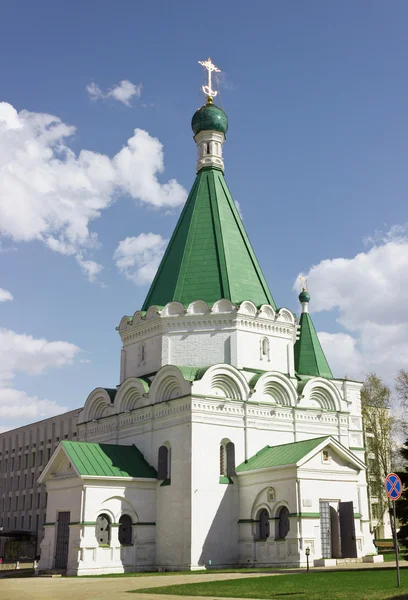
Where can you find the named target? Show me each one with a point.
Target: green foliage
(379, 425)
(352, 585)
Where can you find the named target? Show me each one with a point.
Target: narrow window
(222, 460)
(125, 530)
(142, 353)
(263, 524)
(163, 463)
(102, 530)
(230, 448)
(283, 523)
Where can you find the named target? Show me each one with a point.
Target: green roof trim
(192, 373)
(209, 255)
(309, 355)
(108, 460)
(279, 456)
(111, 393)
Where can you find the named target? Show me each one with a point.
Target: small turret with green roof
(309, 355)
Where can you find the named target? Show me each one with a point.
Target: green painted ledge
(225, 480)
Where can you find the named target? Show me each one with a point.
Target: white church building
(227, 441)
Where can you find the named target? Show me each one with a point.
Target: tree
(401, 505)
(401, 386)
(378, 423)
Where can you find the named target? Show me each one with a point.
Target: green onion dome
(209, 117)
(304, 296)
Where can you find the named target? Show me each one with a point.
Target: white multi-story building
(24, 452)
(228, 440)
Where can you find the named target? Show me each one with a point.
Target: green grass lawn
(199, 572)
(361, 585)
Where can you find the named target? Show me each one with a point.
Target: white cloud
(50, 194)
(16, 404)
(369, 293)
(5, 295)
(25, 354)
(138, 257)
(123, 91)
(239, 209)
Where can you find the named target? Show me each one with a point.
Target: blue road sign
(393, 486)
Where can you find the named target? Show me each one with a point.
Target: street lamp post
(307, 552)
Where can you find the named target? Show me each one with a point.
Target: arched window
(227, 459)
(164, 463)
(103, 530)
(283, 523)
(125, 530)
(265, 349)
(263, 524)
(142, 353)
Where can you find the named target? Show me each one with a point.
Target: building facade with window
(24, 452)
(228, 440)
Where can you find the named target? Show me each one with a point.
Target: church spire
(209, 256)
(309, 355)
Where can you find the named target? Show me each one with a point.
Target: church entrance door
(325, 529)
(347, 530)
(61, 548)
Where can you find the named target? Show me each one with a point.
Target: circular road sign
(393, 486)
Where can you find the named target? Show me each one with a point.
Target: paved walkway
(117, 588)
(114, 588)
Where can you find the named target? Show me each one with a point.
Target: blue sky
(316, 95)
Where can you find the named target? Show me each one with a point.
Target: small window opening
(227, 459)
(164, 458)
(125, 530)
(283, 525)
(263, 524)
(103, 530)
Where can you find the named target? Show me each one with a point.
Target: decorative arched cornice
(152, 313)
(173, 309)
(320, 393)
(199, 307)
(97, 405)
(223, 380)
(168, 384)
(267, 312)
(223, 306)
(284, 315)
(131, 394)
(247, 308)
(274, 387)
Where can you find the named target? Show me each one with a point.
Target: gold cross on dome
(304, 283)
(210, 66)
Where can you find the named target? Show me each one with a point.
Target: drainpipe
(299, 510)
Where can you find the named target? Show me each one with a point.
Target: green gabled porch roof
(309, 355)
(279, 456)
(209, 255)
(108, 460)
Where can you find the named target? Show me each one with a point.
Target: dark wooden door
(347, 530)
(61, 549)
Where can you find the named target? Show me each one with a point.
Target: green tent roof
(279, 456)
(108, 460)
(309, 355)
(209, 256)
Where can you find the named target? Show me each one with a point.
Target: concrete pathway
(114, 588)
(117, 588)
